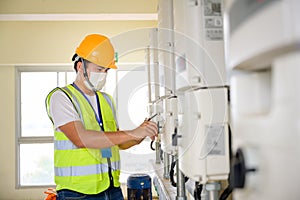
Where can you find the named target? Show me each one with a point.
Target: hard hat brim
(113, 66)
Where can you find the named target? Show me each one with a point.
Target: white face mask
(97, 79)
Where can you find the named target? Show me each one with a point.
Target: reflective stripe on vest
(64, 145)
(87, 167)
(85, 170)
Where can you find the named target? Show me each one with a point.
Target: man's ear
(79, 66)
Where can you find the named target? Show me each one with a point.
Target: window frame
(18, 129)
(49, 139)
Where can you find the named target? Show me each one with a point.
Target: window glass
(132, 98)
(34, 88)
(36, 164)
(132, 109)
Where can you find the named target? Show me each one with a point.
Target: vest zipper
(111, 179)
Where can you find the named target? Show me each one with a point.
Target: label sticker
(213, 20)
(215, 140)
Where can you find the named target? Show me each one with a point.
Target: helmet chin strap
(85, 74)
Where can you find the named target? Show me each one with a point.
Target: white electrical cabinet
(203, 50)
(201, 87)
(204, 150)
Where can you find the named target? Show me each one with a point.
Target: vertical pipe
(154, 61)
(166, 165)
(180, 183)
(172, 61)
(157, 151)
(213, 189)
(213, 195)
(204, 195)
(149, 74)
(154, 70)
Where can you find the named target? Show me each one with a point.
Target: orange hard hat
(98, 50)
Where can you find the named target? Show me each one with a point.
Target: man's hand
(147, 128)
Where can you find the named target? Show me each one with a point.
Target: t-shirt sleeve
(62, 110)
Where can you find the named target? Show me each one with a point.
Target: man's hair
(77, 59)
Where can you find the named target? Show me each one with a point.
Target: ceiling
(77, 10)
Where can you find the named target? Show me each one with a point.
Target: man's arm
(129, 144)
(83, 138)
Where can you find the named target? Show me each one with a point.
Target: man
(87, 138)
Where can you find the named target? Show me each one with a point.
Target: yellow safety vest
(83, 169)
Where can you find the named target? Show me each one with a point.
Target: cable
(229, 188)
(172, 172)
(151, 145)
(226, 192)
(173, 183)
(197, 191)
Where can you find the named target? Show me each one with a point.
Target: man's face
(91, 67)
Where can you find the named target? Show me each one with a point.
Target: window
(34, 129)
(35, 132)
(132, 101)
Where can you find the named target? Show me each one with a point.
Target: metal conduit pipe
(213, 189)
(180, 183)
(166, 165)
